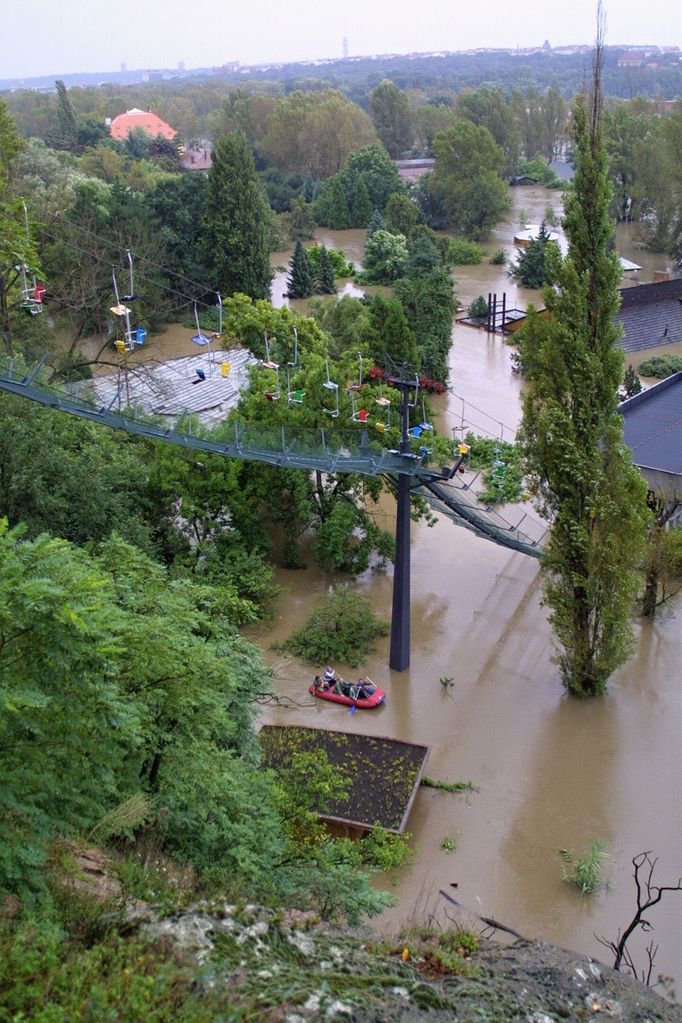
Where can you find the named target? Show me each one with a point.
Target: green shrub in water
(343, 628)
(584, 872)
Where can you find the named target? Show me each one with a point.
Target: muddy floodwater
(551, 772)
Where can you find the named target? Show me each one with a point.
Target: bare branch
(648, 895)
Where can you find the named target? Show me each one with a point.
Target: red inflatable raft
(377, 697)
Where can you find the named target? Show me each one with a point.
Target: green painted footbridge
(327, 450)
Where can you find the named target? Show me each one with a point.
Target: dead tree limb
(648, 895)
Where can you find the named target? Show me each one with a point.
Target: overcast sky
(53, 37)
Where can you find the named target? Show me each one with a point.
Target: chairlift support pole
(399, 657)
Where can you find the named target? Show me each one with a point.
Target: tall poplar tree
(572, 430)
(236, 221)
(68, 126)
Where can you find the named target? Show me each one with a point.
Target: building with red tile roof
(150, 123)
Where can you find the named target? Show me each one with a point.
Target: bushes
(463, 253)
(661, 366)
(343, 628)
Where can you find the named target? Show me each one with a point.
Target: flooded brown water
(551, 772)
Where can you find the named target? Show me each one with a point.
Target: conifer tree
(326, 283)
(237, 222)
(376, 223)
(362, 206)
(338, 216)
(68, 127)
(572, 431)
(532, 268)
(300, 280)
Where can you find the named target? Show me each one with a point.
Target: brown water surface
(552, 772)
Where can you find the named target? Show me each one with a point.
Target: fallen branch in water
(488, 920)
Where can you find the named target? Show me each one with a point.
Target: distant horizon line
(350, 58)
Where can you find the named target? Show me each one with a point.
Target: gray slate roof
(651, 315)
(652, 426)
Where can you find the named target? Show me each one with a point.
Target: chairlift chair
(120, 309)
(199, 338)
(384, 404)
(216, 335)
(357, 386)
(330, 385)
(295, 396)
(267, 361)
(425, 425)
(31, 294)
(295, 362)
(130, 297)
(359, 416)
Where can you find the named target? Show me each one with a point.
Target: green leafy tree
(325, 281)
(465, 184)
(572, 431)
(488, 108)
(386, 257)
(343, 628)
(378, 171)
(380, 175)
(392, 118)
(11, 146)
(314, 132)
(176, 205)
(301, 222)
(429, 305)
(390, 332)
(236, 222)
(64, 720)
(401, 214)
(300, 282)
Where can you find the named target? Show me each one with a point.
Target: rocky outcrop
(287, 966)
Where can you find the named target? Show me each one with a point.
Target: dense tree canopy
(466, 184)
(236, 219)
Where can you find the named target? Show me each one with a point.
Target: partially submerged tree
(325, 283)
(300, 282)
(587, 485)
(532, 268)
